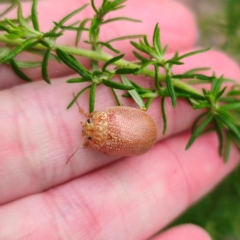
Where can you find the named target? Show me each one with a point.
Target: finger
(38, 135)
(131, 199)
(163, 12)
(186, 232)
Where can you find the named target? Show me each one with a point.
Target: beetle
(120, 130)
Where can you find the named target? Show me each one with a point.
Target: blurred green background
(219, 211)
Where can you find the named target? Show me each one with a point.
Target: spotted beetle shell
(122, 131)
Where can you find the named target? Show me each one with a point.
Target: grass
(219, 211)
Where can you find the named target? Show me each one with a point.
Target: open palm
(96, 196)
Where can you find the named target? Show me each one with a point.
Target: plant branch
(104, 57)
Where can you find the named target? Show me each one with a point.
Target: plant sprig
(221, 105)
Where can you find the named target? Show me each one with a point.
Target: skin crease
(95, 196)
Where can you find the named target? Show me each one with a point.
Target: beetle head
(95, 130)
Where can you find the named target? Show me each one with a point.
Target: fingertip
(177, 24)
(186, 232)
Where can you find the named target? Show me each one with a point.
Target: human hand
(96, 196)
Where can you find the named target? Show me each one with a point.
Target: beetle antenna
(73, 153)
(79, 108)
(81, 143)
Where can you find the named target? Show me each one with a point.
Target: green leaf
(233, 93)
(149, 95)
(126, 95)
(23, 21)
(70, 15)
(228, 100)
(71, 28)
(172, 61)
(117, 85)
(228, 121)
(33, 44)
(77, 96)
(4, 28)
(146, 41)
(193, 53)
(19, 72)
(199, 130)
(112, 60)
(134, 94)
(148, 102)
(51, 35)
(226, 115)
(141, 47)
(234, 138)
(74, 28)
(109, 46)
(116, 97)
(195, 76)
(79, 32)
(10, 8)
(92, 97)
(97, 73)
(4, 51)
(216, 85)
(194, 70)
(12, 24)
(194, 95)
(205, 93)
(126, 70)
(227, 148)
(157, 41)
(35, 15)
(138, 87)
(114, 5)
(145, 65)
(157, 83)
(94, 7)
(164, 115)
(219, 131)
(45, 67)
(42, 53)
(198, 120)
(202, 105)
(219, 94)
(165, 49)
(22, 64)
(121, 19)
(19, 49)
(73, 64)
(230, 106)
(171, 90)
(125, 38)
(77, 80)
(141, 58)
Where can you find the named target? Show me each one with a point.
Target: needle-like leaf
(133, 92)
(45, 67)
(19, 72)
(35, 15)
(92, 97)
(117, 85)
(198, 130)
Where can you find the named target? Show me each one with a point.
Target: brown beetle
(121, 131)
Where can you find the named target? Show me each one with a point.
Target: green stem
(104, 57)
